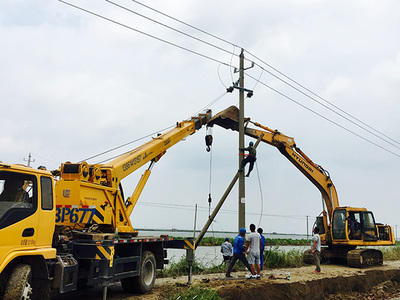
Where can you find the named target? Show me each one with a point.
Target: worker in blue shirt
(260, 231)
(238, 252)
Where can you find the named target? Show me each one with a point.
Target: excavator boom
(338, 234)
(286, 145)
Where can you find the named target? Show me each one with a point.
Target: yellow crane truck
(339, 239)
(71, 227)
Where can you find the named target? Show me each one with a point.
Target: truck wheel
(144, 282)
(19, 285)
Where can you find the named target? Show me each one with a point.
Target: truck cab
(26, 196)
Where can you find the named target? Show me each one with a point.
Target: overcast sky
(74, 85)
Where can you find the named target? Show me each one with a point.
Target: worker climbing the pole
(251, 158)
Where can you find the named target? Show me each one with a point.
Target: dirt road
(334, 282)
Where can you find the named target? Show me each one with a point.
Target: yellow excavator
(342, 228)
(72, 226)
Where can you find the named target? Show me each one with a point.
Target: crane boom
(88, 194)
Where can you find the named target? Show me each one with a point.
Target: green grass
(275, 258)
(181, 268)
(286, 242)
(194, 292)
(391, 253)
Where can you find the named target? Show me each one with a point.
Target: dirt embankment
(333, 283)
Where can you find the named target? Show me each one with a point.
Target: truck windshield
(17, 191)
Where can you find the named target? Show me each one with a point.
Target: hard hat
(242, 230)
(251, 144)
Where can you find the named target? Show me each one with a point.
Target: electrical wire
(282, 74)
(205, 209)
(292, 80)
(184, 23)
(146, 136)
(169, 27)
(126, 144)
(332, 110)
(144, 33)
(211, 103)
(325, 118)
(316, 95)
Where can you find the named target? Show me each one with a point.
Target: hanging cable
(209, 138)
(209, 135)
(261, 196)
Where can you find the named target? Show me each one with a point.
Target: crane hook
(209, 140)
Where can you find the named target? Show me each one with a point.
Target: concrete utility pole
(242, 207)
(29, 160)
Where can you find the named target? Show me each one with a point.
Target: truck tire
(19, 285)
(144, 282)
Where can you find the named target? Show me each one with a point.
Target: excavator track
(361, 258)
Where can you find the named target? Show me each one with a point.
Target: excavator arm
(228, 119)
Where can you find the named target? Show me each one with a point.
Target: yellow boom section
(92, 194)
(286, 145)
(129, 162)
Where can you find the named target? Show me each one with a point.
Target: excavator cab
(357, 226)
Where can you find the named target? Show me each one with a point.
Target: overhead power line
(347, 116)
(316, 95)
(144, 33)
(325, 118)
(205, 209)
(169, 27)
(329, 108)
(184, 23)
(123, 145)
(292, 80)
(299, 87)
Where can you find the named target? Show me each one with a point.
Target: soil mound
(378, 284)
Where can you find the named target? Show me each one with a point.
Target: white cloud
(74, 85)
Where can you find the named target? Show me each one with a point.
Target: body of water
(211, 255)
(188, 233)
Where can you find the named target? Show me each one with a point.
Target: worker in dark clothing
(251, 158)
